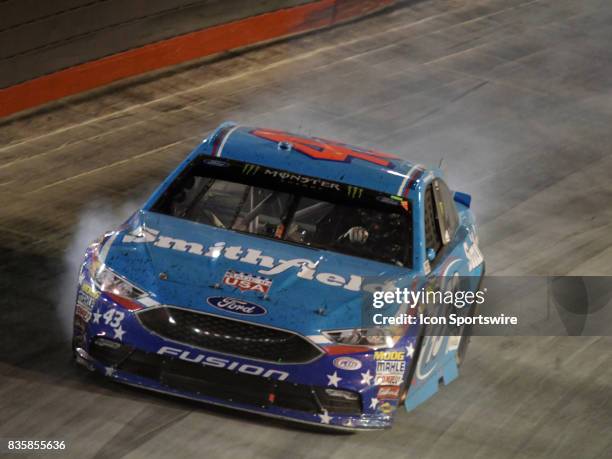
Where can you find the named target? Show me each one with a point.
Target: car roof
(315, 157)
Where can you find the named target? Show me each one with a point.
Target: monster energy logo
(250, 169)
(354, 192)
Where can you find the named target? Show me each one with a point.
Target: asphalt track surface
(516, 96)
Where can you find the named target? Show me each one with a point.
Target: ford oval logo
(347, 363)
(236, 306)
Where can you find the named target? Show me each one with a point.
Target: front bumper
(285, 400)
(111, 340)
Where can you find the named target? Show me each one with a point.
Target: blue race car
(247, 280)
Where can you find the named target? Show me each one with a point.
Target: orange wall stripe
(181, 49)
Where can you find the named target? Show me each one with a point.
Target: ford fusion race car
(247, 280)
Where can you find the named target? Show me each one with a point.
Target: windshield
(293, 208)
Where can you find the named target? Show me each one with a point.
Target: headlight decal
(371, 338)
(121, 291)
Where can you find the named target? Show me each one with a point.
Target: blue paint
(181, 263)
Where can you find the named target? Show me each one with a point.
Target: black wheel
(415, 358)
(466, 332)
(465, 337)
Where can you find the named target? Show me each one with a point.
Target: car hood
(184, 263)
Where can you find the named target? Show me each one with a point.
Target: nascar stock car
(245, 278)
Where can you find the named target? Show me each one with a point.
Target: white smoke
(94, 221)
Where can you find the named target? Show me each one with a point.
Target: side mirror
(462, 198)
(431, 254)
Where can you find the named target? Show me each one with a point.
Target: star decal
(96, 317)
(373, 403)
(119, 332)
(366, 378)
(410, 350)
(334, 379)
(109, 371)
(325, 418)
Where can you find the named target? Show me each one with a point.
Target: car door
(444, 239)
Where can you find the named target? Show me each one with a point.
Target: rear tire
(466, 336)
(466, 333)
(406, 385)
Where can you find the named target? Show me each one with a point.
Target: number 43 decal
(326, 149)
(113, 318)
